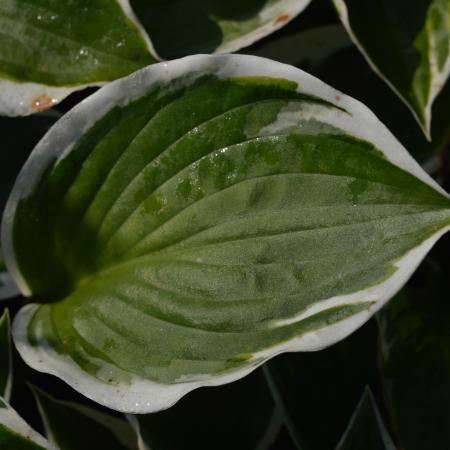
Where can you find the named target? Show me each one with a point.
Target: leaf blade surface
(243, 210)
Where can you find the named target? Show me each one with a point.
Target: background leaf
(15, 434)
(415, 363)
(50, 48)
(5, 357)
(368, 88)
(185, 27)
(317, 391)
(240, 416)
(412, 53)
(366, 429)
(8, 288)
(77, 427)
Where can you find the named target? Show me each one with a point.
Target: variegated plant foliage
(16, 434)
(407, 44)
(50, 48)
(185, 224)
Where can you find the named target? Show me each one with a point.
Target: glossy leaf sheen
(188, 225)
(411, 51)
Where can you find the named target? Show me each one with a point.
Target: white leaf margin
(438, 78)
(24, 98)
(11, 420)
(273, 16)
(145, 396)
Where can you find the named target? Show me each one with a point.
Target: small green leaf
(5, 356)
(8, 288)
(411, 51)
(16, 434)
(49, 48)
(415, 359)
(185, 224)
(304, 386)
(240, 415)
(366, 429)
(306, 49)
(185, 27)
(64, 420)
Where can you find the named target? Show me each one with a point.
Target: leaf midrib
(166, 255)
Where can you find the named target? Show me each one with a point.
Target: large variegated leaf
(187, 223)
(407, 43)
(184, 27)
(5, 356)
(16, 434)
(49, 48)
(64, 420)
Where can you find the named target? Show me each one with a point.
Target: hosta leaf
(49, 48)
(187, 223)
(414, 350)
(5, 356)
(411, 51)
(183, 27)
(16, 434)
(240, 415)
(366, 429)
(64, 420)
